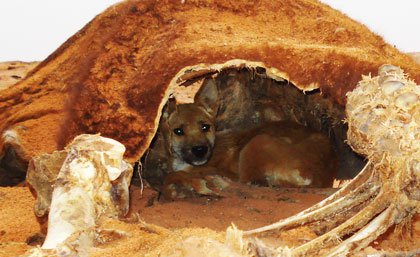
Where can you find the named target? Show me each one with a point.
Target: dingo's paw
(183, 184)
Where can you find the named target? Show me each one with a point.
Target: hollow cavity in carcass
(383, 125)
(249, 98)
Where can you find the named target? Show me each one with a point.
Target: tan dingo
(275, 154)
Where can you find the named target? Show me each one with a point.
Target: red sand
(245, 206)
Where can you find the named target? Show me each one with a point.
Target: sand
(245, 206)
(13, 72)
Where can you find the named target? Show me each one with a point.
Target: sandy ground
(246, 206)
(13, 72)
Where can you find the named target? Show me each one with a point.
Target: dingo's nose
(200, 151)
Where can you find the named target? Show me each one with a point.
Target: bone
(406, 100)
(388, 69)
(367, 234)
(326, 207)
(330, 213)
(389, 87)
(92, 182)
(353, 224)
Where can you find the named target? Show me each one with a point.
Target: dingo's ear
(169, 108)
(208, 96)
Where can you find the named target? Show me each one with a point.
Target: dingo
(275, 154)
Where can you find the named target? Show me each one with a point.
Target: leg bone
(326, 207)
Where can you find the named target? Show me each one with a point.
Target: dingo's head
(189, 129)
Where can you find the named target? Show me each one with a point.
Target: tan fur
(274, 154)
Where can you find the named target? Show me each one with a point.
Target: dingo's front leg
(197, 182)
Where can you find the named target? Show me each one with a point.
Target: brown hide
(113, 76)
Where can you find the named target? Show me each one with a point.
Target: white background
(30, 30)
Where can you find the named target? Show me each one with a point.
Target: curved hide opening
(251, 95)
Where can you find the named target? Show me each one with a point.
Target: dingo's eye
(205, 127)
(179, 131)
